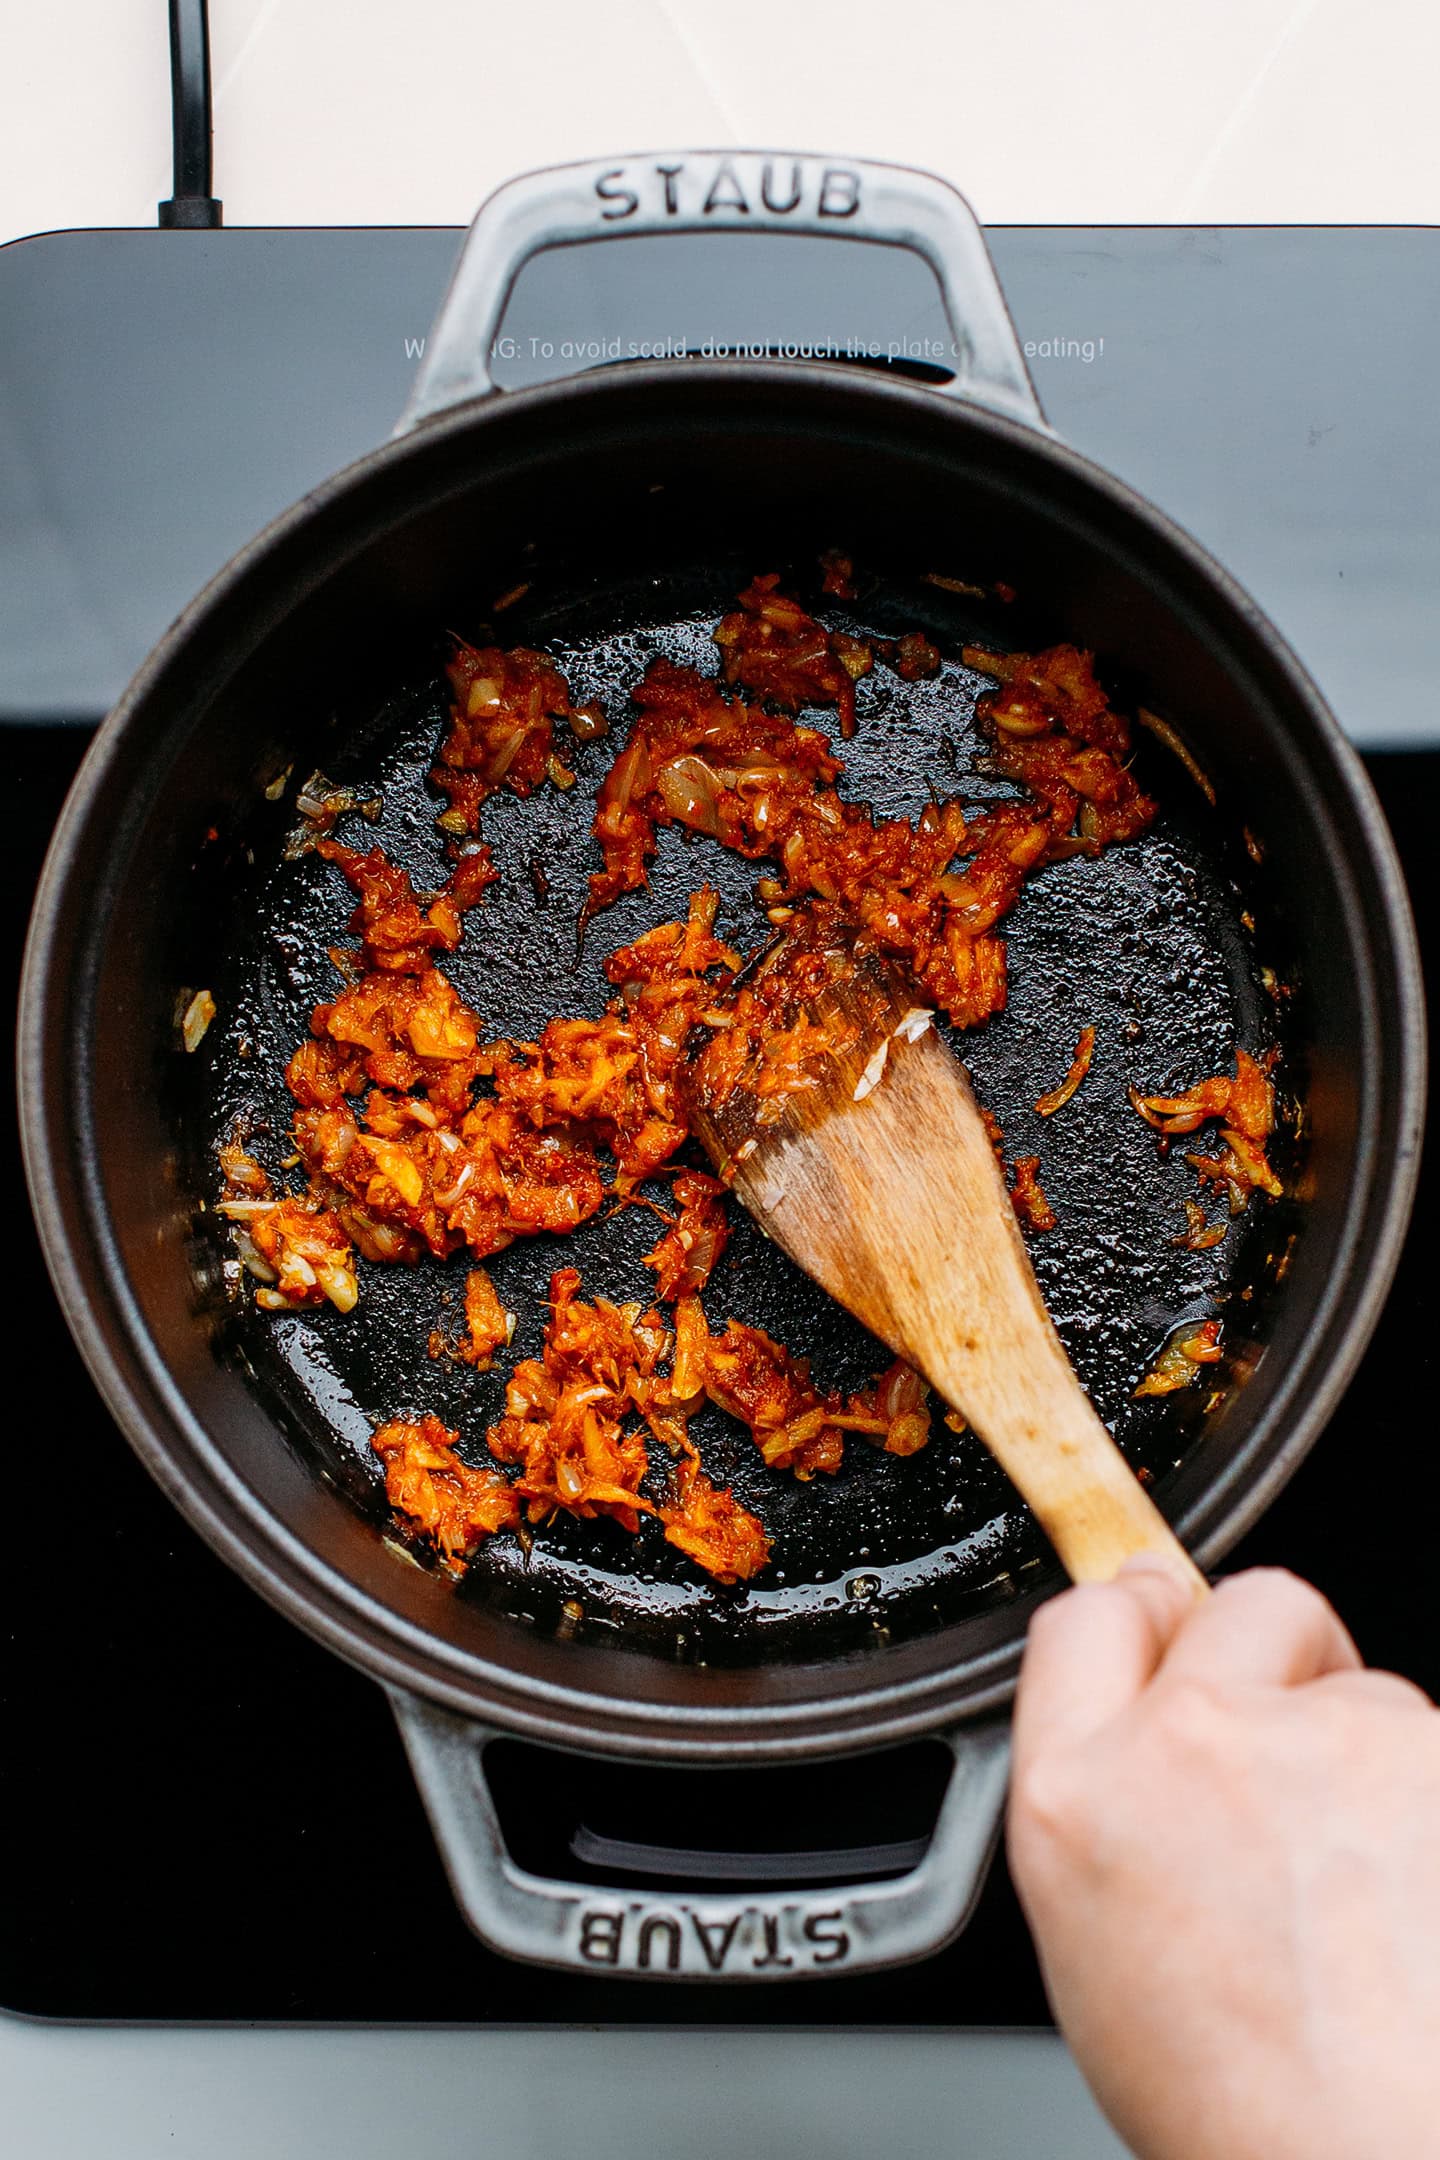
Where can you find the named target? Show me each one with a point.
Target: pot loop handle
(701, 191)
(753, 1935)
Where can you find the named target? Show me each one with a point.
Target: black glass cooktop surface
(208, 1817)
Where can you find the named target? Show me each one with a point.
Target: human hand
(1226, 1837)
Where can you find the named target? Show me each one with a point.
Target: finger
(1386, 1690)
(1262, 1628)
(1091, 1651)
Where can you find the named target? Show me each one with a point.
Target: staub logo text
(728, 190)
(748, 1938)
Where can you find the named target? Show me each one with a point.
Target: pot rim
(170, 1441)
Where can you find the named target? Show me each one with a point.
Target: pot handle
(775, 1934)
(698, 191)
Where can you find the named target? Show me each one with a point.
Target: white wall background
(1057, 111)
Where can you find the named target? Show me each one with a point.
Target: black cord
(192, 205)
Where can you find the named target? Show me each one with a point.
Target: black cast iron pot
(615, 477)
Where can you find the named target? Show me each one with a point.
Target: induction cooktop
(213, 1816)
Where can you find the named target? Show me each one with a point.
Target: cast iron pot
(628, 461)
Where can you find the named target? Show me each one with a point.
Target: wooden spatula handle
(990, 1347)
(904, 1215)
(1057, 1453)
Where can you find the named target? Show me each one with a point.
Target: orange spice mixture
(576, 1419)
(771, 647)
(442, 1497)
(765, 787)
(502, 730)
(1245, 1106)
(574, 1429)
(1079, 1067)
(418, 1135)
(1183, 1359)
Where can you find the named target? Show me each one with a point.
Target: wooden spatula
(879, 1179)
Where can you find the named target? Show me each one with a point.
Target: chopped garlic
(198, 1015)
(870, 1078)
